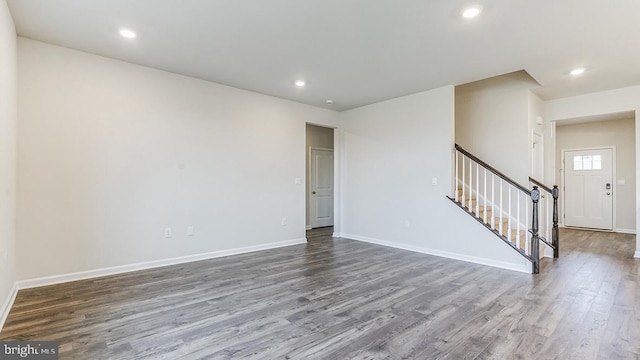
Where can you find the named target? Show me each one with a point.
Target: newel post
(535, 240)
(555, 234)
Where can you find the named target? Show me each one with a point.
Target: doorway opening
(596, 159)
(320, 176)
(537, 156)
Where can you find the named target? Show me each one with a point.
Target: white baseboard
(57, 279)
(625, 231)
(637, 254)
(440, 253)
(335, 234)
(308, 227)
(8, 304)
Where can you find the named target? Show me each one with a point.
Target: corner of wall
(8, 159)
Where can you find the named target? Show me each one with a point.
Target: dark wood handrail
(541, 185)
(493, 170)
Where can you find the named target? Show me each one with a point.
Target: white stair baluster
(509, 217)
(477, 190)
(456, 196)
(493, 201)
(470, 204)
(527, 235)
(463, 175)
(518, 218)
(500, 209)
(484, 216)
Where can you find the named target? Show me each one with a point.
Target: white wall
(8, 92)
(317, 137)
(600, 103)
(492, 115)
(111, 153)
(392, 150)
(621, 134)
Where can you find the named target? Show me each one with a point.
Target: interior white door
(537, 157)
(321, 188)
(588, 188)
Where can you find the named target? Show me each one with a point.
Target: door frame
(308, 195)
(337, 176)
(614, 182)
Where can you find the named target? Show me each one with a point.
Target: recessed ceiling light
(300, 83)
(127, 33)
(471, 12)
(329, 102)
(577, 71)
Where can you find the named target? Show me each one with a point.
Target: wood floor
(342, 299)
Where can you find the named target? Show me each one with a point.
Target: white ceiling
(355, 52)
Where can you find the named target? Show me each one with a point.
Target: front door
(588, 188)
(321, 188)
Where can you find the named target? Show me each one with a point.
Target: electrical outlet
(434, 181)
(167, 232)
(407, 224)
(190, 231)
(283, 222)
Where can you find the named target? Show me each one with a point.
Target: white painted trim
(8, 304)
(320, 148)
(587, 229)
(338, 164)
(625, 231)
(637, 254)
(440, 253)
(335, 235)
(308, 227)
(57, 279)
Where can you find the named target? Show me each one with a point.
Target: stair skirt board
(523, 268)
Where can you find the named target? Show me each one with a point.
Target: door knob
(313, 192)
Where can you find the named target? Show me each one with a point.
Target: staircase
(509, 210)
